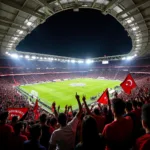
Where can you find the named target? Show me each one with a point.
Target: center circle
(78, 84)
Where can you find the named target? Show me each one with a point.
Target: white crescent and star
(129, 82)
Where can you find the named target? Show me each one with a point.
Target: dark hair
(62, 119)
(96, 111)
(15, 119)
(3, 116)
(89, 129)
(53, 121)
(43, 118)
(118, 106)
(139, 104)
(128, 106)
(146, 114)
(134, 104)
(35, 131)
(18, 126)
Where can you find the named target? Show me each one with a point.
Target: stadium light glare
(123, 58)
(129, 57)
(20, 32)
(129, 21)
(33, 57)
(41, 58)
(29, 23)
(89, 61)
(135, 55)
(80, 61)
(6, 53)
(73, 61)
(14, 55)
(15, 38)
(27, 56)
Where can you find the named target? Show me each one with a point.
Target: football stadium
(75, 74)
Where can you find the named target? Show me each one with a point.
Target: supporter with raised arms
(64, 137)
(100, 119)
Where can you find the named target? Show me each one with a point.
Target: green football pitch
(64, 92)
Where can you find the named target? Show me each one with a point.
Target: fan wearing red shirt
(143, 143)
(100, 119)
(119, 132)
(5, 131)
(16, 140)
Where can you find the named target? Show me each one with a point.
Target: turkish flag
(104, 98)
(35, 110)
(20, 112)
(128, 84)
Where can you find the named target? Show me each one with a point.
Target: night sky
(83, 34)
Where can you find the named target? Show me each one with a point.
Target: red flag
(128, 84)
(104, 98)
(35, 110)
(20, 112)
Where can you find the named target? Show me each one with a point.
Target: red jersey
(143, 143)
(100, 120)
(5, 132)
(118, 133)
(16, 141)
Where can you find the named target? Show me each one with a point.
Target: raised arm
(86, 106)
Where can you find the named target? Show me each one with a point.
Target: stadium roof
(19, 17)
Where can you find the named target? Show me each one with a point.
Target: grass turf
(63, 93)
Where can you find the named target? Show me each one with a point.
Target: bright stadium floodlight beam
(6, 53)
(14, 55)
(27, 56)
(129, 21)
(80, 61)
(89, 61)
(29, 23)
(41, 58)
(33, 57)
(129, 57)
(73, 61)
(123, 58)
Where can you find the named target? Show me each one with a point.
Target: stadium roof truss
(19, 17)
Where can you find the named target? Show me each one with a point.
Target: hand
(83, 98)
(66, 106)
(77, 96)
(53, 104)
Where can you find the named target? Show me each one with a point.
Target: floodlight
(80, 61)
(129, 21)
(27, 56)
(73, 61)
(135, 55)
(123, 58)
(129, 57)
(20, 32)
(15, 38)
(45, 58)
(29, 23)
(14, 55)
(89, 61)
(134, 29)
(6, 53)
(33, 57)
